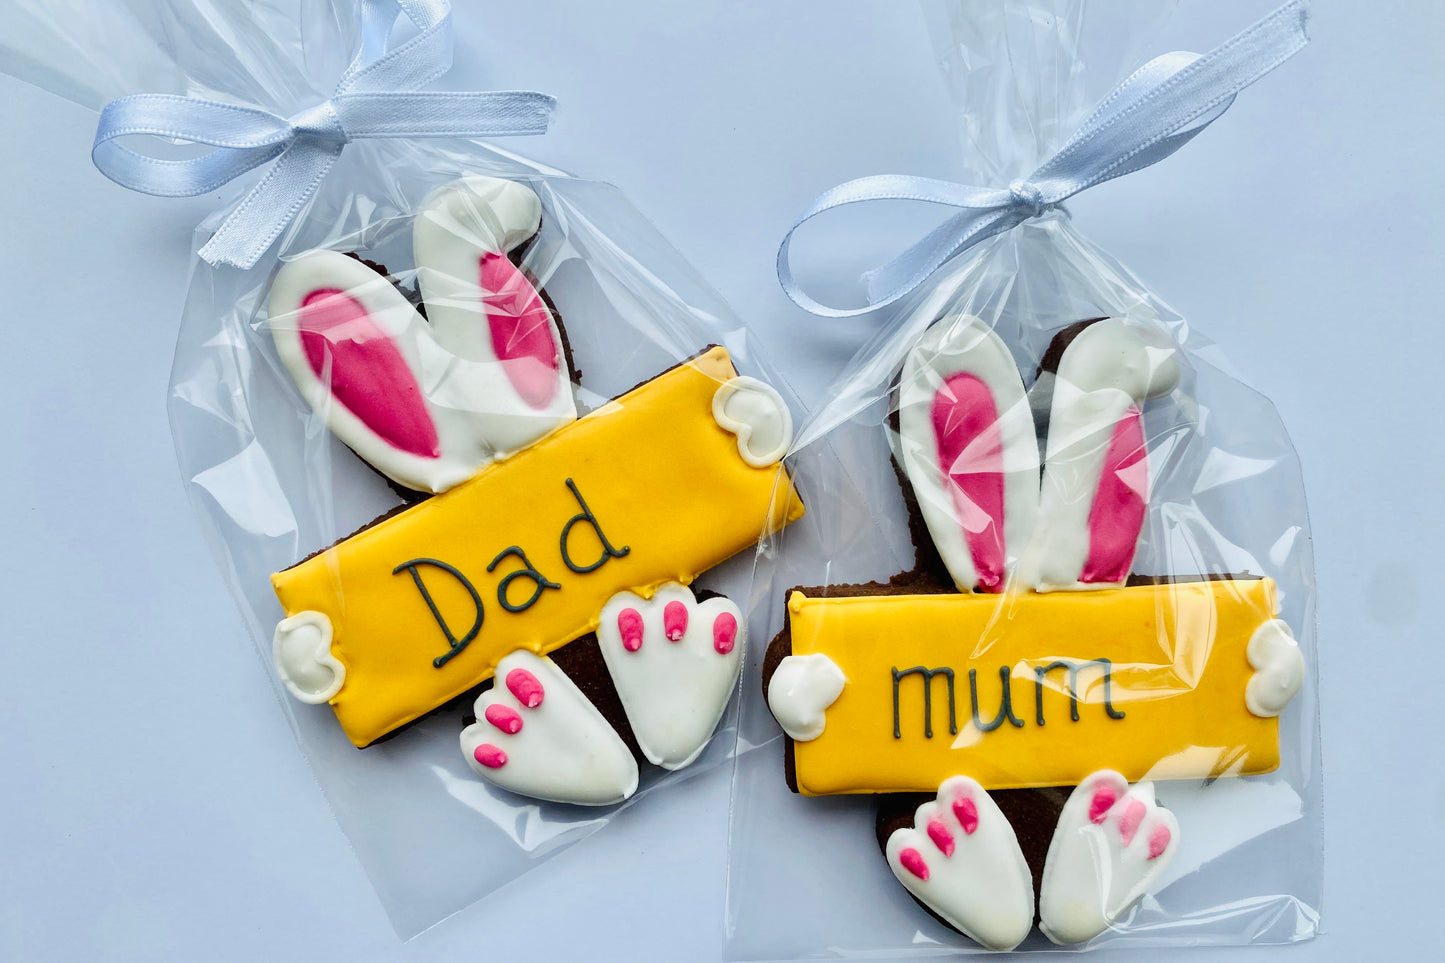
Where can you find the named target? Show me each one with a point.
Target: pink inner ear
(521, 330)
(970, 452)
(1117, 515)
(368, 374)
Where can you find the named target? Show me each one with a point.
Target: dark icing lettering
(540, 582)
(1005, 709)
(456, 644)
(608, 552)
(1073, 669)
(927, 675)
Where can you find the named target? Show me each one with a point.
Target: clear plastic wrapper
(911, 575)
(257, 437)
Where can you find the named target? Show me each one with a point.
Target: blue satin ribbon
(377, 96)
(1149, 116)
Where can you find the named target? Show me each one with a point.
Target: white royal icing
(977, 881)
(965, 344)
(1279, 669)
(674, 691)
(1108, 368)
(754, 412)
(301, 653)
(800, 690)
(564, 750)
(477, 413)
(1111, 844)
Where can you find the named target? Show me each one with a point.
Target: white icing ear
(963, 861)
(428, 405)
(675, 662)
(1111, 844)
(1096, 472)
(755, 412)
(800, 691)
(301, 652)
(536, 734)
(1279, 669)
(969, 449)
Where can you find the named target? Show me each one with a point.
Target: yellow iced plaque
(1148, 680)
(647, 489)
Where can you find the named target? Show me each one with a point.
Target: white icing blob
(563, 751)
(301, 652)
(802, 687)
(1107, 369)
(977, 878)
(1111, 845)
(1279, 669)
(674, 691)
(962, 344)
(755, 412)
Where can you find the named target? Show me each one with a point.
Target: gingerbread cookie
(540, 533)
(1014, 697)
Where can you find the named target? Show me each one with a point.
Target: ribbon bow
(1156, 111)
(377, 96)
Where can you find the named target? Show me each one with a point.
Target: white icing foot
(1279, 669)
(301, 653)
(963, 861)
(801, 690)
(675, 662)
(1112, 843)
(536, 734)
(755, 412)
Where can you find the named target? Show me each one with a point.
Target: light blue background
(153, 804)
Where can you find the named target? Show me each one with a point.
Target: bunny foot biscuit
(1022, 649)
(537, 520)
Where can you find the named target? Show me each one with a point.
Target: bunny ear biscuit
(1096, 473)
(969, 449)
(430, 404)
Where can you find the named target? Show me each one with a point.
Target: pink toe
(526, 687)
(629, 626)
(674, 621)
(490, 756)
(724, 633)
(942, 838)
(1159, 841)
(1100, 805)
(967, 813)
(1134, 814)
(912, 861)
(504, 718)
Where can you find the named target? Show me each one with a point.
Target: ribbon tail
(250, 230)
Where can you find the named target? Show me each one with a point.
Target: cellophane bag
(1198, 822)
(652, 484)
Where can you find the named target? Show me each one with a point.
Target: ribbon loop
(377, 96)
(1150, 115)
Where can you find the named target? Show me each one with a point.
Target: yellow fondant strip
(1176, 680)
(657, 473)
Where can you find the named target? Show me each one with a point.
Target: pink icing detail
(504, 718)
(369, 376)
(724, 633)
(966, 812)
(674, 621)
(521, 330)
(1134, 813)
(629, 626)
(490, 756)
(1100, 805)
(942, 838)
(912, 861)
(1158, 841)
(525, 687)
(1117, 514)
(970, 452)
